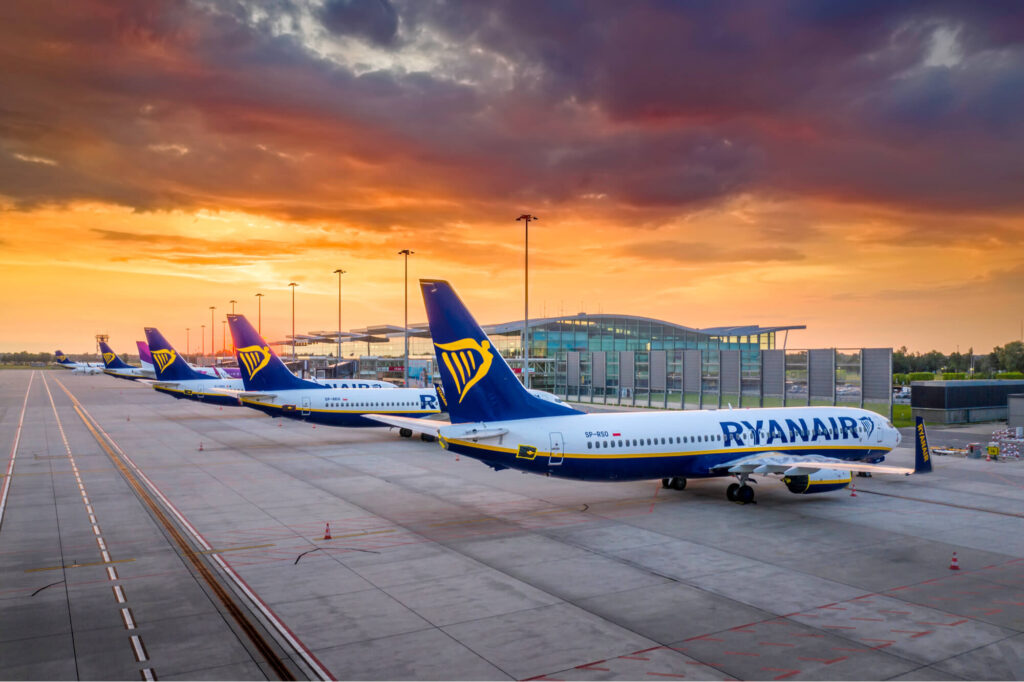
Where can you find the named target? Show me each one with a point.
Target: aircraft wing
(792, 465)
(236, 393)
(431, 427)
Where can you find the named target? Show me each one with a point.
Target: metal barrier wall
(700, 379)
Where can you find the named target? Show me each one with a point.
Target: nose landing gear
(676, 483)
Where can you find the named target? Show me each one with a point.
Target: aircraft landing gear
(675, 483)
(741, 493)
(405, 433)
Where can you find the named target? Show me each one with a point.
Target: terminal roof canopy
(383, 333)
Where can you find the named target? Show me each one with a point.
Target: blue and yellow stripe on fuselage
(327, 417)
(212, 398)
(637, 466)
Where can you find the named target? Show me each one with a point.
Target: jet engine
(820, 481)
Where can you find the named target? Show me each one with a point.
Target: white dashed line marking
(138, 649)
(126, 616)
(111, 573)
(118, 590)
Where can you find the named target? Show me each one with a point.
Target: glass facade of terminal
(551, 339)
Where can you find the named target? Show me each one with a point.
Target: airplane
(177, 378)
(496, 420)
(146, 360)
(116, 367)
(273, 389)
(77, 367)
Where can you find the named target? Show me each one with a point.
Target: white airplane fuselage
(687, 444)
(344, 406)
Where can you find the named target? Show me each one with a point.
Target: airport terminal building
(631, 360)
(551, 340)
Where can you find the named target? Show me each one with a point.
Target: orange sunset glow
(855, 168)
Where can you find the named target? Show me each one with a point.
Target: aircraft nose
(899, 437)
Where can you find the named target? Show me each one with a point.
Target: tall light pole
(202, 338)
(339, 272)
(232, 302)
(293, 285)
(405, 367)
(526, 217)
(213, 334)
(224, 335)
(259, 313)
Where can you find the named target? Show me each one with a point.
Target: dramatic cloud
(798, 145)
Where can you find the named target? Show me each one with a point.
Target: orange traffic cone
(853, 489)
(953, 565)
(327, 532)
(200, 446)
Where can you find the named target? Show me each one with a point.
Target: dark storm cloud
(374, 20)
(657, 106)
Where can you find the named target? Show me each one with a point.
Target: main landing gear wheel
(730, 492)
(744, 494)
(678, 483)
(666, 483)
(405, 433)
(427, 437)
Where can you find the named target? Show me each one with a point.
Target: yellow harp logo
(108, 358)
(62, 357)
(467, 360)
(164, 358)
(254, 358)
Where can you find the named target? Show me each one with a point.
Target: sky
(855, 166)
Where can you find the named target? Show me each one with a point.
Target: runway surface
(126, 552)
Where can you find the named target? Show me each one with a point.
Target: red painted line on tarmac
(706, 638)
(876, 620)
(785, 673)
(677, 676)
(740, 653)
(953, 624)
(916, 633)
(900, 613)
(636, 658)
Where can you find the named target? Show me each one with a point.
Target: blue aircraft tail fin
(62, 358)
(110, 359)
(479, 385)
(922, 453)
(261, 369)
(167, 363)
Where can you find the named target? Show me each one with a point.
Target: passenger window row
(641, 442)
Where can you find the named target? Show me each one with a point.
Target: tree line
(1008, 358)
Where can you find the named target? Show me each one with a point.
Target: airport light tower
(526, 218)
(259, 313)
(339, 272)
(213, 333)
(293, 285)
(405, 367)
